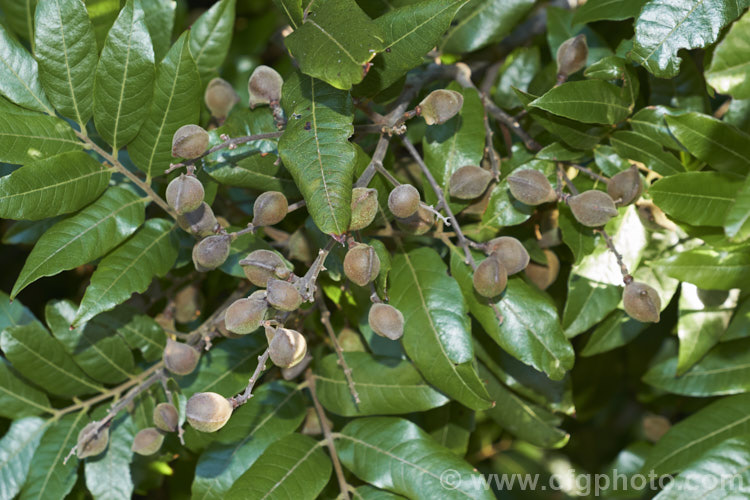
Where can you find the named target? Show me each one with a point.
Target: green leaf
(83, 237)
(16, 453)
(580, 239)
(292, 9)
(259, 172)
(210, 36)
(316, 151)
(18, 398)
(27, 138)
(65, 48)
(651, 123)
(737, 223)
(124, 78)
(177, 100)
(13, 313)
(587, 101)
(437, 332)
(666, 26)
(19, 75)
(483, 22)
(719, 144)
(615, 331)
(617, 68)
(638, 147)
(159, 18)
(396, 455)
(518, 71)
(607, 10)
(103, 14)
(108, 474)
(687, 440)
(451, 426)
(53, 186)
(19, 17)
(335, 42)
(698, 198)
(42, 358)
(49, 478)
(386, 386)
(537, 340)
(503, 210)
(730, 62)
(708, 268)
(151, 252)
(294, 467)
(276, 410)
(138, 330)
(587, 304)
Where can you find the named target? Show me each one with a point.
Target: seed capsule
(364, 207)
(625, 187)
(208, 411)
(184, 194)
(653, 218)
(287, 347)
(179, 358)
(440, 106)
(490, 278)
(531, 187)
(211, 252)
(419, 223)
(245, 315)
(386, 321)
(95, 445)
(572, 55)
(264, 86)
(469, 182)
(283, 296)
(641, 302)
(351, 341)
(187, 304)
(220, 98)
(592, 208)
(361, 264)
(166, 417)
(200, 222)
(261, 265)
(190, 141)
(148, 441)
(270, 208)
(403, 201)
(544, 275)
(511, 253)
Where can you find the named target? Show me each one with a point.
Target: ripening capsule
(201, 222)
(264, 86)
(148, 441)
(245, 315)
(625, 187)
(361, 264)
(286, 347)
(220, 98)
(490, 277)
(282, 295)
(166, 417)
(641, 302)
(544, 275)
(469, 182)
(403, 201)
(261, 265)
(179, 358)
(364, 207)
(190, 141)
(592, 208)
(211, 252)
(531, 187)
(95, 445)
(270, 208)
(511, 253)
(185, 194)
(386, 321)
(572, 55)
(419, 223)
(440, 106)
(208, 411)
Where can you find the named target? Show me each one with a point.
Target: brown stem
(325, 319)
(243, 398)
(490, 148)
(377, 159)
(229, 143)
(590, 173)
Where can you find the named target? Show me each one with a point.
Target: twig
(377, 159)
(385, 173)
(295, 206)
(494, 163)
(590, 173)
(243, 398)
(228, 143)
(325, 319)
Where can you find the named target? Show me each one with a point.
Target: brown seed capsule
(625, 187)
(187, 303)
(655, 426)
(166, 417)
(403, 201)
(490, 278)
(544, 275)
(270, 208)
(419, 223)
(386, 321)
(287, 347)
(261, 265)
(264, 86)
(364, 207)
(642, 302)
(211, 252)
(592, 208)
(220, 98)
(531, 187)
(245, 315)
(200, 222)
(208, 411)
(440, 106)
(283, 296)
(299, 246)
(190, 141)
(185, 193)
(469, 182)
(511, 253)
(712, 298)
(148, 441)
(572, 55)
(94, 446)
(179, 358)
(361, 264)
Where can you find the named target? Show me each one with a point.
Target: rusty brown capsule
(403, 201)
(148, 441)
(190, 142)
(286, 347)
(264, 86)
(211, 252)
(469, 182)
(261, 265)
(361, 264)
(625, 187)
(641, 302)
(244, 316)
(490, 277)
(184, 194)
(440, 106)
(386, 321)
(89, 447)
(220, 98)
(208, 411)
(179, 358)
(572, 55)
(511, 253)
(283, 296)
(592, 208)
(364, 207)
(531, 187)
(166, 417)
(201, 222)
(270, 208)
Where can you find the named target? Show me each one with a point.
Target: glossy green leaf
(642, 148)
(83, 237)
(370, 493)
(65, 48)
(587, 304)
(518, 71)
(396, 455)
(19, 75)
(614, 331)
(737, 223)
(138, 330)
(18, 398)
(587, 101)
(607, 10)
(40, 357)
(292, 9)
(17, 452)
(19, 17)
(315, 149)
(259, 172)
(108, 474)
(483, 22)
(160, 16)
(451, 426)
(708, 268)
(27, 138)
(580, 239)
(210, 36)
(335, 41)
(103, 14)
(13, 313)
(698, 198)
(437, 333)
(53, 186)
(730, 62)
(503, 210)
(386, 386)
(177, 100)
(294, 467)
(651, 122)
(617, 68)
(124, 78)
